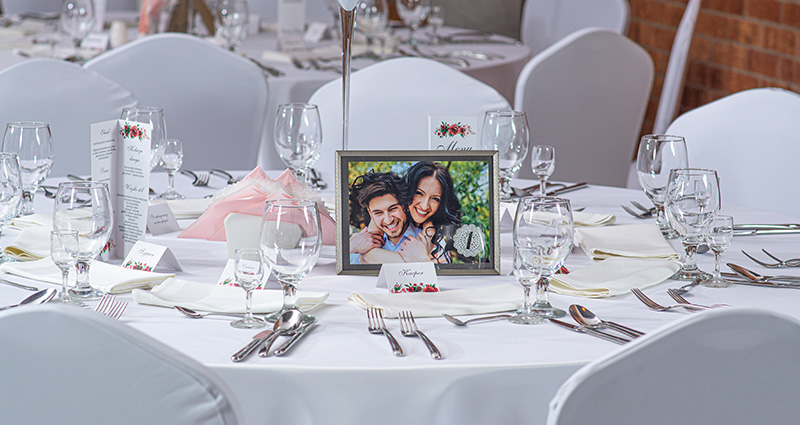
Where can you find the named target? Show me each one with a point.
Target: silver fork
(794, 262)
(376, 325)
(200, 179)
(651, 211)
(229, 176)
(109, 306)
(656, 306)
(636, 214)
(408, 327)
(677, 297)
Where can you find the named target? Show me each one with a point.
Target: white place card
(315, 32)
(96, 41)
(121, 158)
(147, 256)
(452, 133)
(408, 277)
(291, 24)
(160, 219)
(228, 277)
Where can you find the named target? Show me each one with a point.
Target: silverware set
(590, 324)
(682, 303)
(794, 262)
(290, 324)
(745, 276)
(109, 306)
(560, 188)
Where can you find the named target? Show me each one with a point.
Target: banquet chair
(546, 21)
(213, 100)
(750, 138)
(727, 366)
(68, 365)
(390, 105)
(586, 95)
(67, 97)
(16, 7)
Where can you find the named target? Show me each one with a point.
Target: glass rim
(9, 155)
(291, 203)
(505, 113)
(664, 138)
(82, 184)
(544, 199)
(693, 171)
(28, 124)
(297, 105)
(147, 109)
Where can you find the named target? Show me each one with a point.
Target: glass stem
(248, 306)
(542, 295)
(82, 276)
(26, 207)
(526, 303)
(717, 266)
(64, 281)
(690, 261)
(171, 183)
(661, 218)
(542, 184)
(289, 296)
(348, 18)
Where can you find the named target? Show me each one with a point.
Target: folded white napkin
(32, 243)
(580, 218)
(187, 208)
(221, 298)
(489, 299)
(102, 276)
(633, 240)
(38, 219)
(614, 276)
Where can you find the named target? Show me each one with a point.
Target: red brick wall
(737, 45)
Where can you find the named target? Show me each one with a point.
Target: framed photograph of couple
(412, 206)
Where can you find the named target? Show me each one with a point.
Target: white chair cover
(213, 100)
(726, 366)
(67, 97)
(16, 7)
(65, 365)
(546, 21)
(751, 139)
(390, 103)
(586, 95)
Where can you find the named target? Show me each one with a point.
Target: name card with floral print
(408, 277)
(452, 133)
(146, 256)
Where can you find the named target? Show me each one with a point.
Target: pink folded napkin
(250, 196)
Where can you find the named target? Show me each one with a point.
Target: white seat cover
(720, 367)
(67, 97)
(65, 365)
(213, 100)
(15, 7)
(751, 139)
(586, 95)
(390, 103)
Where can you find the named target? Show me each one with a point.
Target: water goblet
(158, 133)
(719, 238)
(436, 21)
(543, 163)
(171, 160)
(77, 20)
(85, 207)
(691, 201)
(249, 272)
(506, 131)
(10, 192)
(658, 154)
(371, 20)
(298, 137)
(290, 242)
(33, 144)
(413, 12)
(64, 253)
(232, 18)
(543, 234)
(524, 260)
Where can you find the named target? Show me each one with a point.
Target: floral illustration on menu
(133, 132)
(453, 130)
(136, 265)
(414, 287)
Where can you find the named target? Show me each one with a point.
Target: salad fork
(677, 297)
(200, 179)
(794, 262)
(376, 325)
(109, 306)
(408, 327)
(636, 214)
(656, 306)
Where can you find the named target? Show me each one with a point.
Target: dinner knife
(296, 337)
(576, 186)
(248, 349)
(593, 332)
(766, 231)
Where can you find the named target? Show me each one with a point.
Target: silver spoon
(188, 312)
(40, 297)
(459, 322)
(583, 316)
(289, 322)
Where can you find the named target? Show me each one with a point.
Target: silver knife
(296, 337)
(576, 186)
(19, 285)
(248, 349)
(765, 231)
(593, 332)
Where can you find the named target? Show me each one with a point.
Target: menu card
(452, 133)
(291, 24)
(121, 158)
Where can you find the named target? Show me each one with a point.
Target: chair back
(16, 7)
(67, 97)
(213, 100)
(63, 364)
(586, 95)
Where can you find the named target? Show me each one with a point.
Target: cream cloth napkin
(614, 276)
(187, 208)
(633, 240)
(580, 218)
(102, 276)
(32, 243)
(38, 219)
(488, 299)
(220, 298)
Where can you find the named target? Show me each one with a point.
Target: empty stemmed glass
(232, 17)
(413, 12)
(158, 133)
(10, 192)
(719, 238)
(171, 160)
(371, 20)
(77, 20)
(658, 154)
(85, 207)
(436, 21)
(33, 144)
(249, 272)
(692, 199)
(543, 235)
(64, 253)
(290, 243)
(543, 163)
(298, 137)
(507, 132)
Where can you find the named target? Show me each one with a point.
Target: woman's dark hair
(449, 211)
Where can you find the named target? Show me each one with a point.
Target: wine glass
(527, 275)
(64, 252)
(33, 144)
(249, 272)
(658, 154)
(436, 21)
(543, 163)
(10, 192)
(691, 201)
(720, 236)
(232, 17)
(171, 160)
(85, 207)
(158, 133)
(506, 132)
(413, 12)
(77, 20)
(543, 236)
(371, 20)
(298, 137)
(290, 242)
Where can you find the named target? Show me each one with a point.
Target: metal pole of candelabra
(347, 12)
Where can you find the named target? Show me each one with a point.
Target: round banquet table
(492, 373)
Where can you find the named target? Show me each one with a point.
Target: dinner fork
(677, 297)
(408, 327)
(794, 262)
(636, 214)
(644, 208)
(656, 306)
(200, 179)
(109, 306)
(376, 325)
(229, 176)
